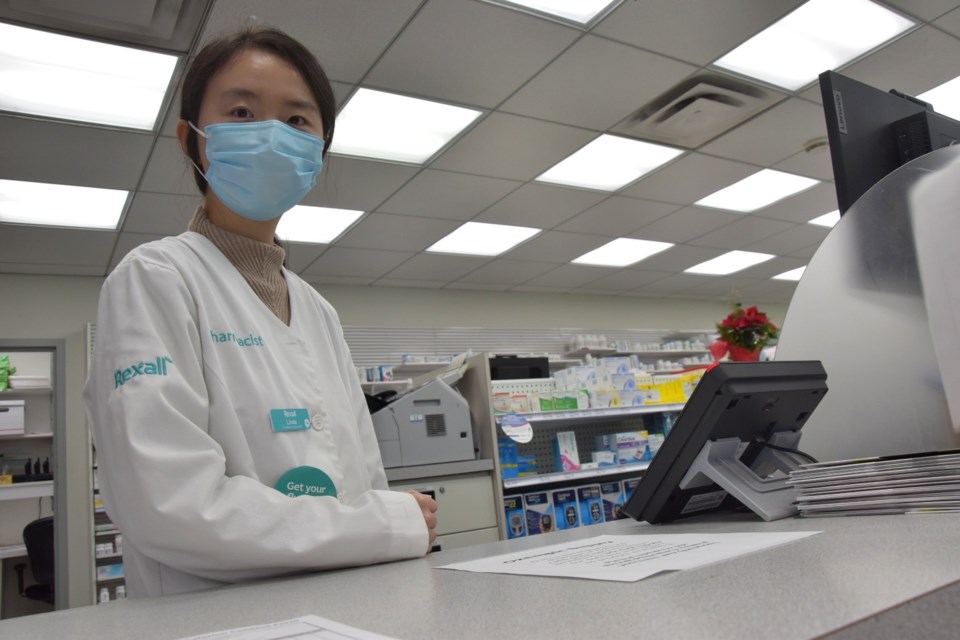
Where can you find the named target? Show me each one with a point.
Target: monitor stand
(770, 497)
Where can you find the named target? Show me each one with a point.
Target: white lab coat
(188, 364)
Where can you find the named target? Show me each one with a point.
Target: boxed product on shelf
(526, 466)
(611, 498)
(604, 399)
(514, 517)
(624, 381)
(629, 446)
(11, 417)
(591, 504)
(538, 512)
(29, 382)
(109, 571)
(614, 365)
(654, 442)
(565, 452)
(629, 485)
(507, 452)
(565, 508)
(605, 458)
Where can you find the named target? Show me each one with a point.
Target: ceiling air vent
(697, 110)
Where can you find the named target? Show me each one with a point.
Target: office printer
(425, 425)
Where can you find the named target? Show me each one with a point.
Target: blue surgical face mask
(261, 169)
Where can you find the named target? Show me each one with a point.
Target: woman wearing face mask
(233, 438)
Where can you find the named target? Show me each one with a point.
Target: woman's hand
(429, 507)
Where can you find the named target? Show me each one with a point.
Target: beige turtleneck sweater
(260, 264)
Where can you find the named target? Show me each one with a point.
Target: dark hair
(218, 53)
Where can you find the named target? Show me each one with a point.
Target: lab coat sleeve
(163, 477)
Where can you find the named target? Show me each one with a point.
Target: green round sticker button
(306, 481)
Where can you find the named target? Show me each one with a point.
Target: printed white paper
(303, 628)
(628, 558)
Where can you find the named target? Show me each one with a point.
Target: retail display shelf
(30, 391)
(590, 414)
(666, 352)
(579, 353)
(567, 476)
(418, 368)
(13, 551)
(22, 436)
(385, 385)
(18, 491)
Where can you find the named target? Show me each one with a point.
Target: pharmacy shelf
(585, 415)
(580, 353)
(25, 436)
(666, 352)
(568, 476)
(19, 491)
(418, 368)
(32, 391)
(13, 551)
(386, 385)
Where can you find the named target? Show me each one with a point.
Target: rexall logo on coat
(156, 367)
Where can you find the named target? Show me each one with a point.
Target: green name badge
(289, 419)
(306, 481)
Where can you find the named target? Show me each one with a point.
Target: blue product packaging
(611, 494)
(628, 486)
(565, 508)
(507, 450)
(591, 504)
(514, 517)
(538, 509)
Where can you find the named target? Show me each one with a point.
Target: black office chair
(38, 538)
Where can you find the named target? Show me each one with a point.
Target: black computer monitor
(748, 401)
(872, 132)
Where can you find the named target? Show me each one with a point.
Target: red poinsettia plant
(743, 333)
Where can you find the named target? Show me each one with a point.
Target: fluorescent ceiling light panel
(945, 98)
(819, 35)
(387, 126)
(60, 205)
(729, 263)
(609, 163)
(757, 191)
(315, 225)
(57, 76)
(579, 12)
(793, 275)
(622, 252)
(826, 220)
(483, 239)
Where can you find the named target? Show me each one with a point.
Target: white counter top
(863, 570)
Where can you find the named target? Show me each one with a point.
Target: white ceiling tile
(950, 22)
(362, 263)
(803, 207)
(698, 31)
(671, 284)
(160, 213)
(569, 276)
(413, 284)
(677, 258)
(807, 252)
(394, 232)
(504, 271)
(430, 266)
(772, 136)
(567, 91)
(58, 153)
(474, 286)
(540, 206)
(739, 234)
(774, 267)
(443, 194)
(915, 63)
(617, 216)
(318, 281)
(530, 289)
(506, 146)
(796, 239)
(127, 242)
(350, 183)
(168, 170)
(347, 37)
(301, 255)
(690, 178)
(556, 247)
(925, 10)
(625, 280)
(685, 224)
(51, 245)
(813, 164)
(469, 52)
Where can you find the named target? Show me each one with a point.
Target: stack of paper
(912, 483)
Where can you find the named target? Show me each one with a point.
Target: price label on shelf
(516, 428)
